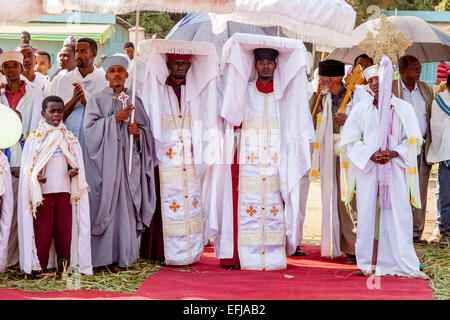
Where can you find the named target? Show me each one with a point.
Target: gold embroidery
(174, 206)
(275, 158)
(251, 211)
(252, 157)
(195, 203)
(170, 153)
(274, 211)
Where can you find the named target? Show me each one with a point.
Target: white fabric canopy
(429, 43)
(325, 22)
(20, 11)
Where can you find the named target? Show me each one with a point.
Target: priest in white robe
(264, 98)
(386, 179)
(179, 93)
(78, 85)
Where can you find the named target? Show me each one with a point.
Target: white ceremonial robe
(80, 256)
(180, 185)
(261, 218)
(30, 107)
(93, 82)
(7, 208)
(360, 139)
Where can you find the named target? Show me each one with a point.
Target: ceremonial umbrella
(27, 10)
(324, 22)
(198, 27)
(429, 44)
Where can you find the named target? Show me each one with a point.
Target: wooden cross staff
(353, 79)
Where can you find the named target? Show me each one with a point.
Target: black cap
(265, 53)
(331, 68)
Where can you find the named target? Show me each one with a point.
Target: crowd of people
(116, 164)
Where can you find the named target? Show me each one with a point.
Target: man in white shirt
(420, 95)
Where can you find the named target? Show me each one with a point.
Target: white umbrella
(429, 43)
(198, 27)
(26, 10)
(324, 22)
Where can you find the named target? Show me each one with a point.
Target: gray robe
(120, 205)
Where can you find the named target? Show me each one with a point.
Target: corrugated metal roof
(59, 31)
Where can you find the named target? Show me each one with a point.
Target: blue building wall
(113, 45)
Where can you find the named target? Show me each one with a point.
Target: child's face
(42, 64)
(53, 113)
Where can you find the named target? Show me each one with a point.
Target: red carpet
(308, 278)
(314, 278)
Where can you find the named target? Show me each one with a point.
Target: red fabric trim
(264, 88)
(173, 56)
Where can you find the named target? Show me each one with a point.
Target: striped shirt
(442, 72)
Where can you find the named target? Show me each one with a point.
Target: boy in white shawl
(53, 198)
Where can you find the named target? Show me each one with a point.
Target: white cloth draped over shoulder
(80, 258)
(201, 93)
(200, 99)
(40, 82)
(360, 139)
(6, 207)
(296, 126)
(93, 82)
(440, 130)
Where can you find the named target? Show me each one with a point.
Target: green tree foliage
(154, 22)
(444, 5)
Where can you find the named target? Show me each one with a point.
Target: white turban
(11, 56)
(371, 72)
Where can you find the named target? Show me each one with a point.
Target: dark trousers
(444, 199)
(53, 220)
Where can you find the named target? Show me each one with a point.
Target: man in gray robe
(121, 205)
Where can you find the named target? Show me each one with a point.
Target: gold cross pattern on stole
(174, 206)
(252, 157)
(274, 211)
(385, 42)
(170, 153)
(195, 203)
(275, 158)
(251, 211)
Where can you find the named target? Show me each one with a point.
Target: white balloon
(10, 127)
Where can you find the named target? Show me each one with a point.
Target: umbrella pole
(133, 95)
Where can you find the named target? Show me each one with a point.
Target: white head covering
(11, 56)
(290, 93)
(201, 89)
(371, 72)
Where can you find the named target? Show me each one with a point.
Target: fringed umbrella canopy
(324, 22)
(19, 11)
